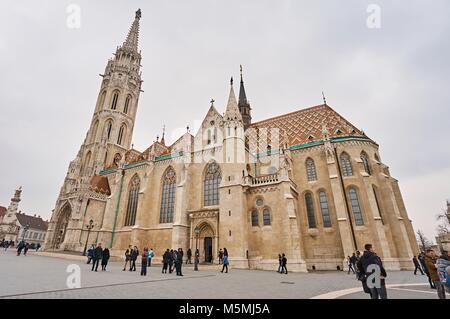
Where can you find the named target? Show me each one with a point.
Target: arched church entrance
(206, 241)
(61, 226)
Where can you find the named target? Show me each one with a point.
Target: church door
(208, 250)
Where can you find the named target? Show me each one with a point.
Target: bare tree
(424, 243)
(444, 220)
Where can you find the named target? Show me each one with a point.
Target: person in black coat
(179, 261)
(370, 258)
(98, 253)
(127, 257)
(165, 261)
(134, 256)
(171, 260)
(105, 258)
(189, 256)
(417, 266)
(283, 264)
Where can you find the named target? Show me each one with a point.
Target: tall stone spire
(14, 205)
(244, 106)
(232, 112)
(132, 40)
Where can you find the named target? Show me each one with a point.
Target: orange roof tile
(306, 125)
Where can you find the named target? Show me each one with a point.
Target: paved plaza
(36, 276)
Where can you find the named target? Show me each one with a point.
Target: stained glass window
(133, 194)
(346, 165)
(311, 170)
(310, 210)
(168, 197)
(355, 207)
(211, 184)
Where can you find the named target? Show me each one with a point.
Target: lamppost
(88, 227)
(25, 229)
(197, 232)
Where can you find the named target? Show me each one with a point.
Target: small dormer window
(338, 132)
(311, 137)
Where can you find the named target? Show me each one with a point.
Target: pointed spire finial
(241, 72)
(212, 102)
(231, 81)
(324, 99)
(163, 140)
(132, 39)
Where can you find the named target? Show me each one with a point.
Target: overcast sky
(392, 82)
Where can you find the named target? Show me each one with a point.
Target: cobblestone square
(36, 276)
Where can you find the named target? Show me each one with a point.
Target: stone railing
(264, 179)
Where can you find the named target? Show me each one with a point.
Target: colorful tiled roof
(100, 184)
(35, 222)
(306, 125)
(2, 211)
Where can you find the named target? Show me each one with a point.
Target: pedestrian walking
(370, 258)
(150, 256)
(166, 258)
(90, 254)
(430, 261)
(144, 262)
(179, 261)
(127, 257)
(105, 258)
(25, 249)
(352, 263)
(220, 255)
(225, 264)
(189, 256)
(443, 269)
(279, 264)
(134, 256)
(20, 247)
(417, 266)
(425, 270)
(98, 253)
(283, 264)
(38, 246)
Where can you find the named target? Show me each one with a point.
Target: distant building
(16, 226)
(443, 240)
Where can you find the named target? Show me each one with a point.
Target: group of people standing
(173, 259)
(97, 254)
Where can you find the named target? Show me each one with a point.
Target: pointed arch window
(311, 170)
(365, 161)
(211, 185)
(375, 194)
(266, 217)
(346, 165)
(356, 208)
(101, 100)
(255, 219)
(133, 198)
(87, 160)
(115, 99)
(94, 132)
(121, 134)
(168, 196)
(310, 210)
(108, 130)
(324, 209)
(127, 104)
